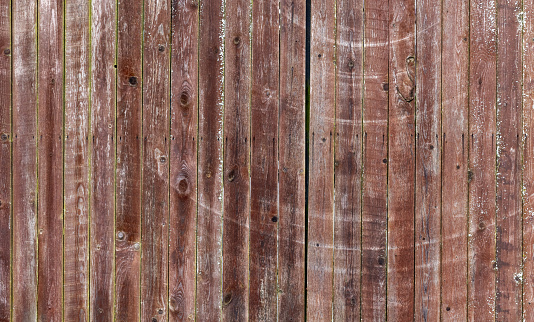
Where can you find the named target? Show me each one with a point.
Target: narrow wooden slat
(183, 160)
(50, 160)
(292, 140)
(401, 163)
(455, 77)
(76, 241)
(482, 152)
(264, 161)
(24, 276)
(428, 162)
(102, 167)
(128, 168)
(528, 159)
(375, 154)
(509, 260)
(237, 68)
(321, 161)
(5, 159)
(156, 104)
(210, 130)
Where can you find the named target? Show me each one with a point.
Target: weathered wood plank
(401, 163)
(264, 161)
(509, 260)
(76, 195)
(455, 78)
(375, 155)
(155, 195)
(5, 159)
(428, 162)
(128, 168)
(50, 160)
(292, 146)
(210, 160)
(102, 168)
(321, 161)
(24, 276)
(237, 198)
(482, 152)
(183, 160)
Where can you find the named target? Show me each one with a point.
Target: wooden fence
(165, 160)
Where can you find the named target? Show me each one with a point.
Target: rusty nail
(7, 51)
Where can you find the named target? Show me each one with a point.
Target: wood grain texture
(264, 161)
(374, 159)
(348, 158)
(210, 160)
(508, 301)
(455, 101)
(292, 163)
(321, 161)
(50, 161)
(76, 167)
(5, 159)
(237, 183)
(102, 166)
(401, 162)
(183, 160)
(24, 275)
(128, 168)
(155, 198)
(428, 162)
(482, 152)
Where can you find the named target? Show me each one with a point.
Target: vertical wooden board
(237, 68)
(528, 159)
(210, 130)
(401, 163)
(24, 161)
(482, 152)
(76, 162)
(264, 161)
(292, 146)
(183, 160)
(509, 200)
(348, 158)
(428, 162)
(102, 169)
(321, 162)
(375, 154)
(5, 159)
(50, 160)
(128, 168)
(455, 100)
(156, 105)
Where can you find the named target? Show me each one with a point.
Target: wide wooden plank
(50, 160)
(482, 153)
(237, 96)
(428, 162)
(264, 161)
(374, 159)
(401, 162)
(76, 162)
(455, 77)
(183, 160)
(24, 275)
(509, 260)
(102, 155)
(5, 159)
(128, 168)
(210, 160)
(321, 161)
(292, 146)
(155, 195)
